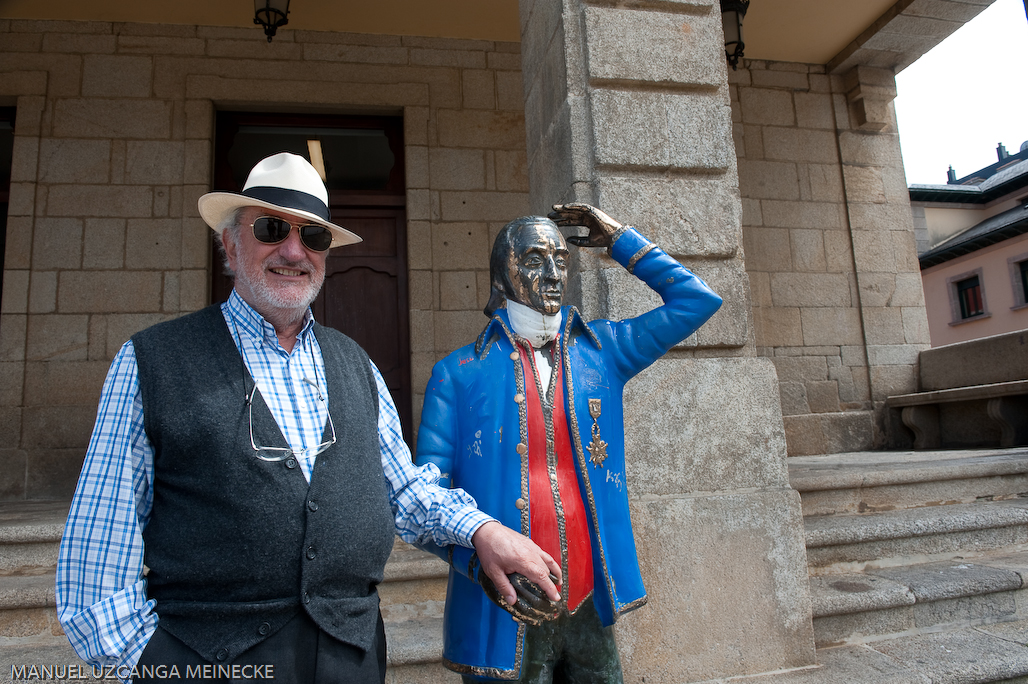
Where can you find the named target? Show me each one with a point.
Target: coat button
(519, 397)
(312, 504)
(291, 463)
(264, 629)
(522, 448)
(514, 356)
(520, 504)
(306, 597)
(222, 654)
(311, 553)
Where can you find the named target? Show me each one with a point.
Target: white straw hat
(282, 182)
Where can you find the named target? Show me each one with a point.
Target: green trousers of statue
(573, 649)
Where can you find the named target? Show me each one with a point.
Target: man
(246, 475)
(528, 420)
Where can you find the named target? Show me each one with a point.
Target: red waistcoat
(558, 520)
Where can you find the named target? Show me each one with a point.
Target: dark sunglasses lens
(317, 238)
(269, 229)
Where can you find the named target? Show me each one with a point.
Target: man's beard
(294, 297)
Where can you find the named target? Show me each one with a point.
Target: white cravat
(539, 329)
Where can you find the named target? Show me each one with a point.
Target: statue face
(537, 268)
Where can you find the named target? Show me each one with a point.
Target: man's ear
(230, 246)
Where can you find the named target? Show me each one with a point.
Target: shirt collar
(500, 325)
(535, 326)
(248, 321)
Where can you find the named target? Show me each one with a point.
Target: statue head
(529, 265)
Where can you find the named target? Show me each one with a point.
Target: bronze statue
(528, 420)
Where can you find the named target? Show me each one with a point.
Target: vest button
(264, 629)
(222, 654)
(291, 463)
(311, 553)
(518, 398)
(313, 505)
(514, 356)
(522, 448)
(520, 504)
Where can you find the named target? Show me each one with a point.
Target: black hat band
(289, 199)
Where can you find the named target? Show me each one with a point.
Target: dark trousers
(300, 652)
(573, 649)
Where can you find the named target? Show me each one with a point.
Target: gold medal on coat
(597, 447)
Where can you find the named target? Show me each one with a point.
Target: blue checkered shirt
(101, 592)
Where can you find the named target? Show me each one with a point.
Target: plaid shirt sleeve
(424, 511)
(101, 593)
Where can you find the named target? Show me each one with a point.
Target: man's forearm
(101, 596)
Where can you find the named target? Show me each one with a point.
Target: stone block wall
(829, 245)
(628, 107)
(113, 146)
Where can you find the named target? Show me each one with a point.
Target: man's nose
(292, 247)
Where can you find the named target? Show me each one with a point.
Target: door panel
(365, 296)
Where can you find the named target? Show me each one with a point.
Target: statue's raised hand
(603, 230)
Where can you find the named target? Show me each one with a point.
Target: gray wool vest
(237, 546)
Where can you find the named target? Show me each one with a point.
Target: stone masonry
(113, 147)
(837, 299)
(627, 107)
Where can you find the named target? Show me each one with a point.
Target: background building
(973, 249)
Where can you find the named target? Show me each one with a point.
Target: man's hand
(503, 552)
(603, 230)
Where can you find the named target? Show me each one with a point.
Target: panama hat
(283, 182)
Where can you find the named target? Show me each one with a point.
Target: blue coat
(474, 418)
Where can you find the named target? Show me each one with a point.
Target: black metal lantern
(270, 14)
(732, 12)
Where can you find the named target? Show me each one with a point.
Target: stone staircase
(918, 565)
(412, 596)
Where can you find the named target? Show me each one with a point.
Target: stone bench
(1006, 404)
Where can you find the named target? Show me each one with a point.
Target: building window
(967, 297)
(969, 294)
(1019, 279)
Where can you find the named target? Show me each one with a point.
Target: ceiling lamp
(270, 14)
(732, 12)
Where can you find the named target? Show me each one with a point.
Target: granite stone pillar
(888, 275)
(627, 107)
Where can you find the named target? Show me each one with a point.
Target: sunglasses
(272, 230)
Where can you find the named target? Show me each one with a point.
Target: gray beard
(294, 299)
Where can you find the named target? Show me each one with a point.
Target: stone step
(868, 482)
(413, 594)
(414, 654)
(414, 586)
(974, 655)
(852, 543)
(878, 604)
(30, 535)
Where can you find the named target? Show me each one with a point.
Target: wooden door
(365, 295)
(365, 291)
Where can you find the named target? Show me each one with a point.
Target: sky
(964, 97)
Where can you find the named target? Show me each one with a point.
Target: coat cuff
(630, 247)
(465, 561)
